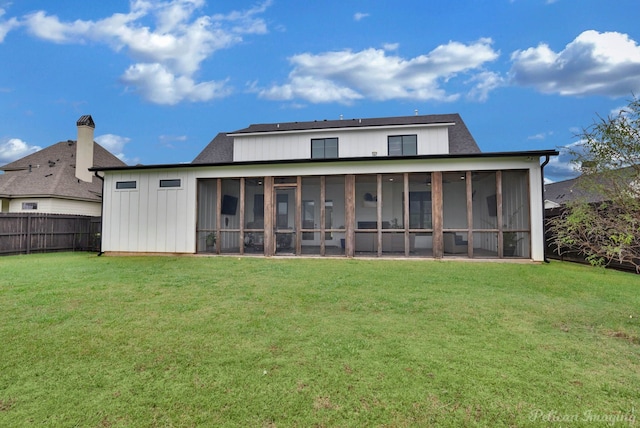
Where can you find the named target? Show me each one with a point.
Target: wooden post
(436, 189)
(406, 219)
(242, 183)
(269, 239)
(323, 214)
(298, 216)
(499, 213)
(350, 214)
(218, 214)
(379, 213)
(469, 215)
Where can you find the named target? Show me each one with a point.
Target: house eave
(49, 196)
(533, 154)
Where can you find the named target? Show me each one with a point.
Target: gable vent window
(29, 205)
(125, 185)
(403, 145)
(324, 148)
(171, 183)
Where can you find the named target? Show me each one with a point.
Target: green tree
(603, 223)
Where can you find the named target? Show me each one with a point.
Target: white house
(412, 186)
(56, 179)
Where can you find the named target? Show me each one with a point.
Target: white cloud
(358, 16)
(158, 85)
(485, 82)
(6, 26)
(168, 54)
(345, 76)
(592, 64)
(15, 148)
(540, 136)
(562, 167)
(114, 144)
(168, 140)
(245, 21)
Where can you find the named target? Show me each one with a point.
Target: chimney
(84, 148)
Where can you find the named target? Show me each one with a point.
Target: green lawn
(161, 341)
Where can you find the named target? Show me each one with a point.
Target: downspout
(544, 231)
(101, 212)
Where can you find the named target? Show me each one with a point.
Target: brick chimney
(84, 148)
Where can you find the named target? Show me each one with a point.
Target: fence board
(25, 233)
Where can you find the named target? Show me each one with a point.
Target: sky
(162, 77)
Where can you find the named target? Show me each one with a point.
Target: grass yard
(160, 341)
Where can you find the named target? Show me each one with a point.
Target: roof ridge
(363, 121)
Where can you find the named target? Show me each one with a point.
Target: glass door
(285, 219)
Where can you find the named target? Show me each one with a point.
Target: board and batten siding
(278, 146)
(149, 218)
(153, 220)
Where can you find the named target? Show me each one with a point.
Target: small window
(123, 185)
(324, 148)
(176, 182)
(403, 145)
(29, 205)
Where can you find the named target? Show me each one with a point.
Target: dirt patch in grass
(6, 405)
(624, 336)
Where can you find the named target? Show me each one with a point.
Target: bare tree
(603, 223)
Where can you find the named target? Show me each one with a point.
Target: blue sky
(162, 77)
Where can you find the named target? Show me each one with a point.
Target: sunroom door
(285, 220)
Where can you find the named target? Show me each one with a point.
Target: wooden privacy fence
(25, 233)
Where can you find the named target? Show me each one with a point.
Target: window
(323, 148)
(29, 205)
(170, 183)
(403, 145)
(124, 185)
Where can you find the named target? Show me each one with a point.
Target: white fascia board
(345, 129)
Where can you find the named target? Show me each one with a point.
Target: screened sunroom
(475, 214)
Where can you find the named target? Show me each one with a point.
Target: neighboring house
(57, 180)
(560, 193)
(412, 186)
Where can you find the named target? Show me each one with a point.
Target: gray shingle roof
(52, 173)
(562, 192)
(220, 149)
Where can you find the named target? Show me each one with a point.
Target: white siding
(150, 218)
(66, 206)
(351, 143)
(57, 206)
(537, 214)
